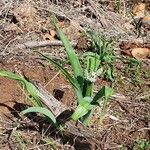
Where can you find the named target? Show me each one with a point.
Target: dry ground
(127, 121)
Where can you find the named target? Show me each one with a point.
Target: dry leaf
(126, 45)
(146, 19)
(140, 53)
(47, 37)
(52, 33)
(27, 16)
(139, 9)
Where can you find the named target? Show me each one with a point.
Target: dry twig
(35, 44)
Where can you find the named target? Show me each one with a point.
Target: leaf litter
(32, 18)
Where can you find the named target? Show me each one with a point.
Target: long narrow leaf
(41, 110)
(62, 69)
(105, 92)
(70, 52)
(31, 89)
(11, 75)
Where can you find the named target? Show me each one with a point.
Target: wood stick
(36, 44)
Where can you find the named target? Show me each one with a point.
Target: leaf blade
(70, 52)
(41, 110)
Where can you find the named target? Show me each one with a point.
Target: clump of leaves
(103, 51)
(82, 79)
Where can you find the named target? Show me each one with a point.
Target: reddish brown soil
(12, 91)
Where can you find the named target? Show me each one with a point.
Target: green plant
(82, 79)
(134, 69)
(141, 144)
(103, 48)
(50, 143)
(43, 111)
(20, 140)
(123, 147)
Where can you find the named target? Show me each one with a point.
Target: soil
(126, 124)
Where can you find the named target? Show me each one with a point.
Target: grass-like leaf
(41, 110)
(105, 93)
(78, 72)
